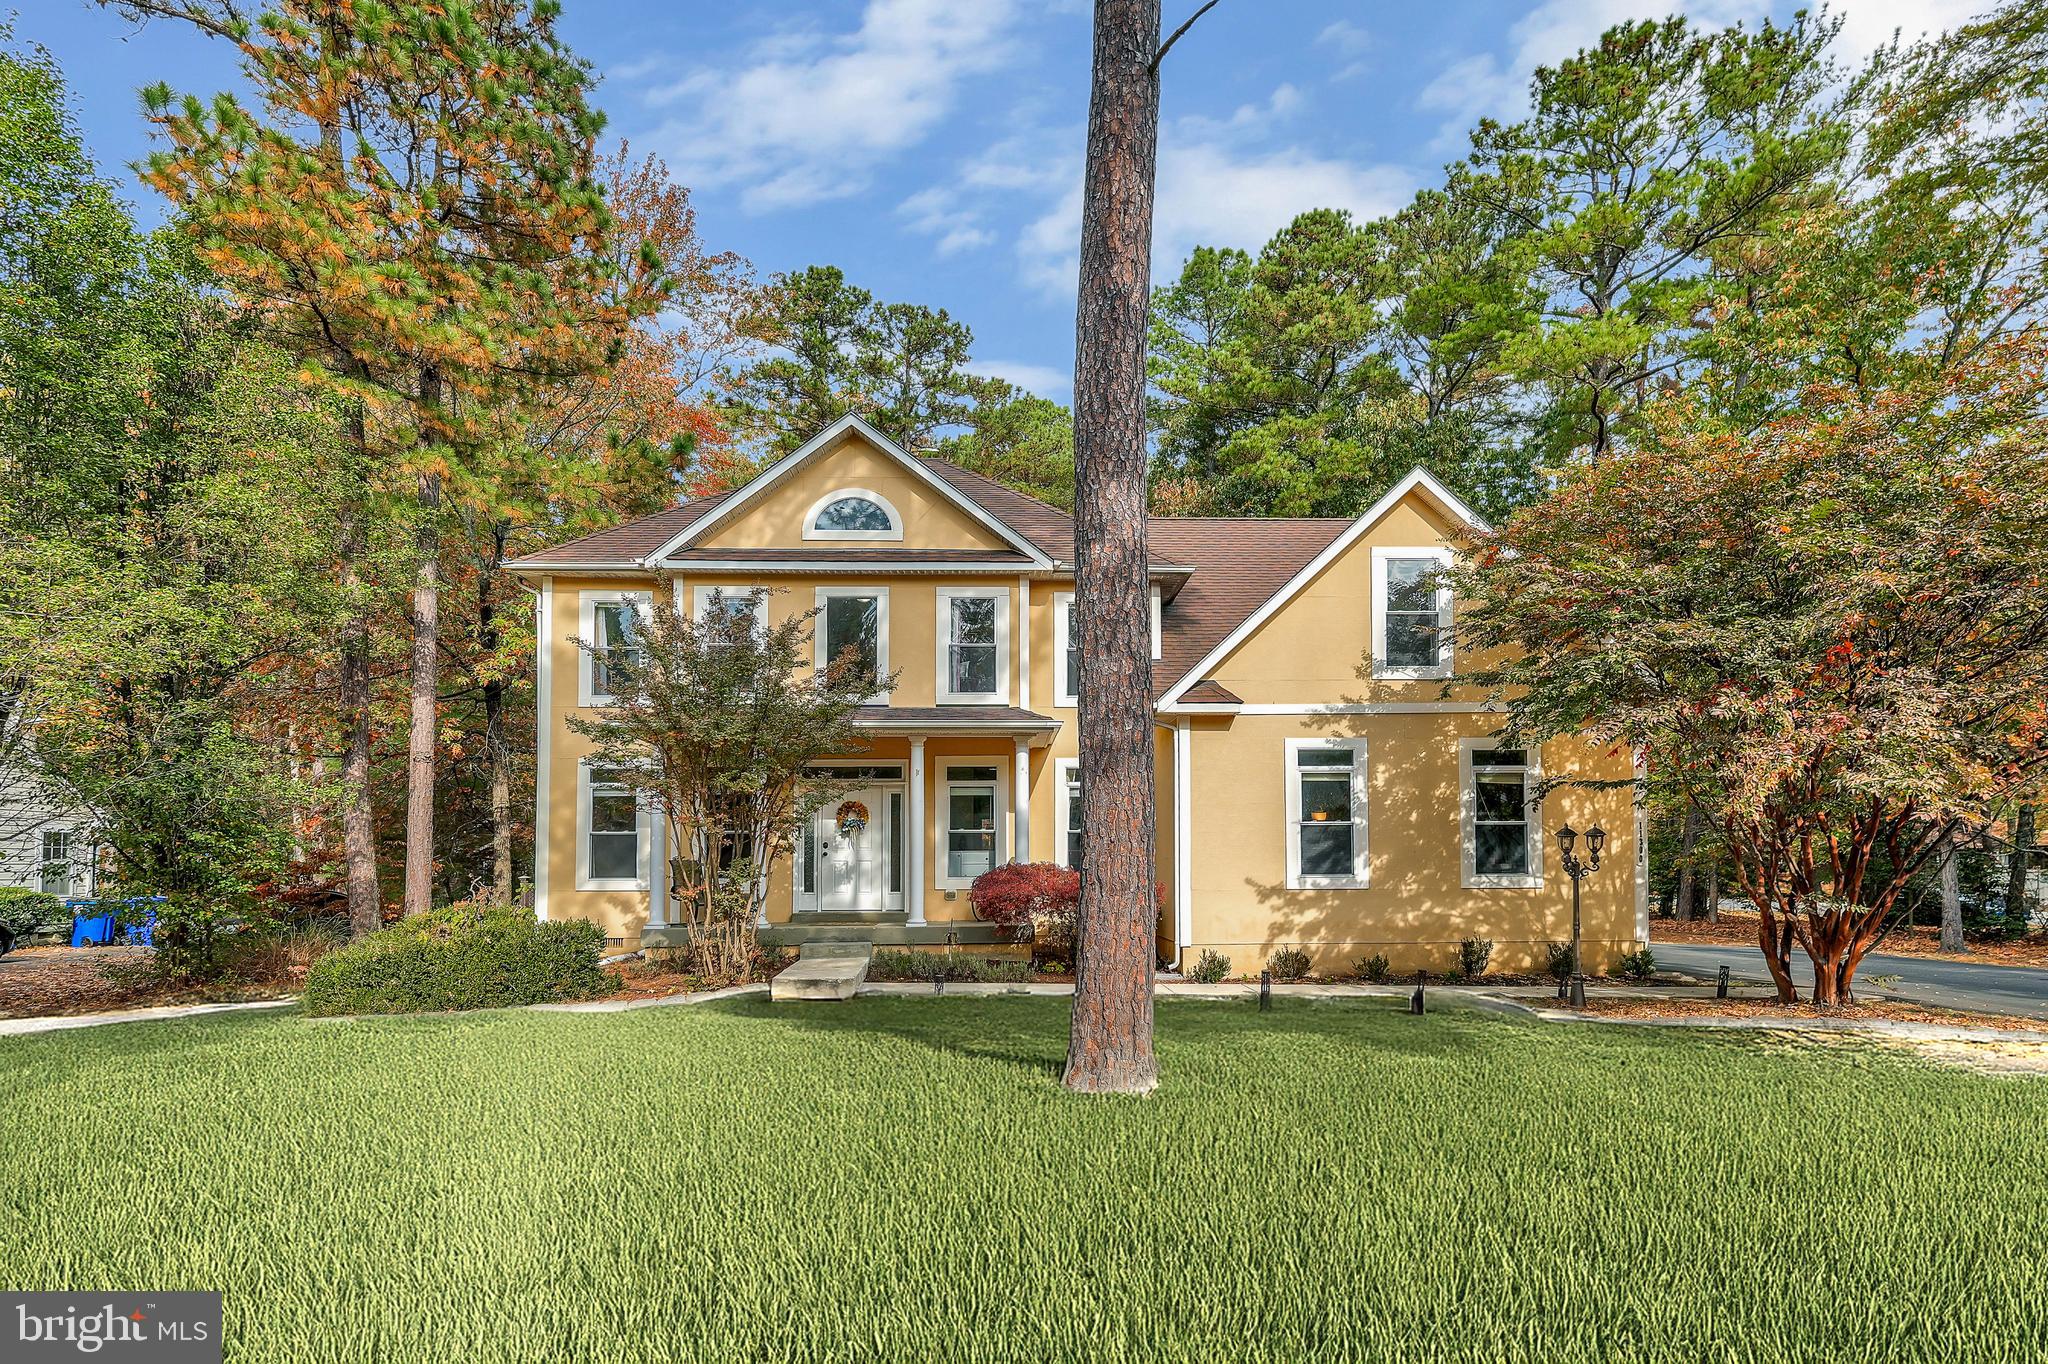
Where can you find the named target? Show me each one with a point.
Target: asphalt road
(2019, 991)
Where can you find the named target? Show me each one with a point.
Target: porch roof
(955, 720)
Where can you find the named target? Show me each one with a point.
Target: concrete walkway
(22, 1027)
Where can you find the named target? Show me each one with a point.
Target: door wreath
(851, 817)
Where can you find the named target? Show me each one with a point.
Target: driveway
(2018, 991)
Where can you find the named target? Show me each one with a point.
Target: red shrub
(1038, 899)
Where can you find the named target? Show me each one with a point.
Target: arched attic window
(853, 514)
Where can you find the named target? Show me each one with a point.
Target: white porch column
(1183, 823)
(917, 831)
(1020, 808)
(657, 869)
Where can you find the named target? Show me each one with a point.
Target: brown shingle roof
(1239, 562)
(623, 545)
(1210, 692)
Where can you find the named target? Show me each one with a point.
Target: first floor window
(1502, 846)
(970, 821)
(1326, 813)
(56, 871)
(614, 832)
(1070, 813)
(737, 609)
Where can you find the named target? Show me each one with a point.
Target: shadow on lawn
(1029, 1035)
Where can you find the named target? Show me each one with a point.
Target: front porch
(943, 794)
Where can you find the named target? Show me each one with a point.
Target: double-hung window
(611, 625)
(974, 814)
(731, 605)
(55, 877)
(974, 645)
(1411, 613)
(1326, 799)
(853, 621)
(1069, 801)
(613, 855)
(1066, 629)
(1503, 839)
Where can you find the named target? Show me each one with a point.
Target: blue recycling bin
(97, 923)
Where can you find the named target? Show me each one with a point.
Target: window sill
(1440, 673)
(614, 884)
(994, 698)
(1502, 883)
(1328, 883)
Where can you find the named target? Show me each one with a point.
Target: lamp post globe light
(1579, 869)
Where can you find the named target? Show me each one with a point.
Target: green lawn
(903, 1179)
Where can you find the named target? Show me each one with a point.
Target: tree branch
(1167, 46)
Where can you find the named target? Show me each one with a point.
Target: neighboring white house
(45, 843)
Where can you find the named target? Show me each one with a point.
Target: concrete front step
(824, 970)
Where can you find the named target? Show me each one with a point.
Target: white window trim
(587, 603)
(1468, 818)
(811, 531)
(940, 877)
(1361, 856)
(1064, 772)
(643, 826)
(818, 659)
(700, 601)
(944, 640)
(1062, 626)
(1062, 630)
(1380, 667)
(70, 858)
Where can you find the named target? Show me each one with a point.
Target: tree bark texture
(1951, 899)
(1110, 1047)
(358, 817)
(422, 741)
(1688, 879)
(497, 753)
(2016, 907)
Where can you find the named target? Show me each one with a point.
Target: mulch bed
(1893, 1011)
(55, 982)
(1736, 929)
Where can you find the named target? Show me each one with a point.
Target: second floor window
(855, 620)
(973, 645)
(612, 624)
(1411, 613)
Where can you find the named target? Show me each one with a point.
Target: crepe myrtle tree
(719, 722)
(1830, 633)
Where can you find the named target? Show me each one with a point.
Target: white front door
(855, 867)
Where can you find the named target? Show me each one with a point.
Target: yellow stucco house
(1316, 787)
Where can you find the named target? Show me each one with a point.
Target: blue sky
(932, 148)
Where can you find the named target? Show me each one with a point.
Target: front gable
(779, 509)
(1309, 643)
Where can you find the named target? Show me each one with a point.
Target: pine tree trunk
(2016, 920)
(358, 818)
(1713, 892)
(1682, 910)
(1110, 1047)
(1951, 900)
(422, 738)
(497, 753)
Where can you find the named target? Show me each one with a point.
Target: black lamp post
(1579, 870)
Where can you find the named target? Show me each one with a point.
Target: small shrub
(1289, 963)
(1640, 964)
(465, 956)
(1473, 954)
(279, 954)
(1210, 967)
(25, 912)
(1375, 968)
(1560, 964)
(1037, 901)
(923, 966)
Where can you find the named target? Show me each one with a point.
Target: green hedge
(462, 957)
(24, 911)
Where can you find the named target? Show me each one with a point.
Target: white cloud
(1043, 380)
(1217, 186)
(937, 212)
(1349, 44)
(1496, 85)
(807, 117)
